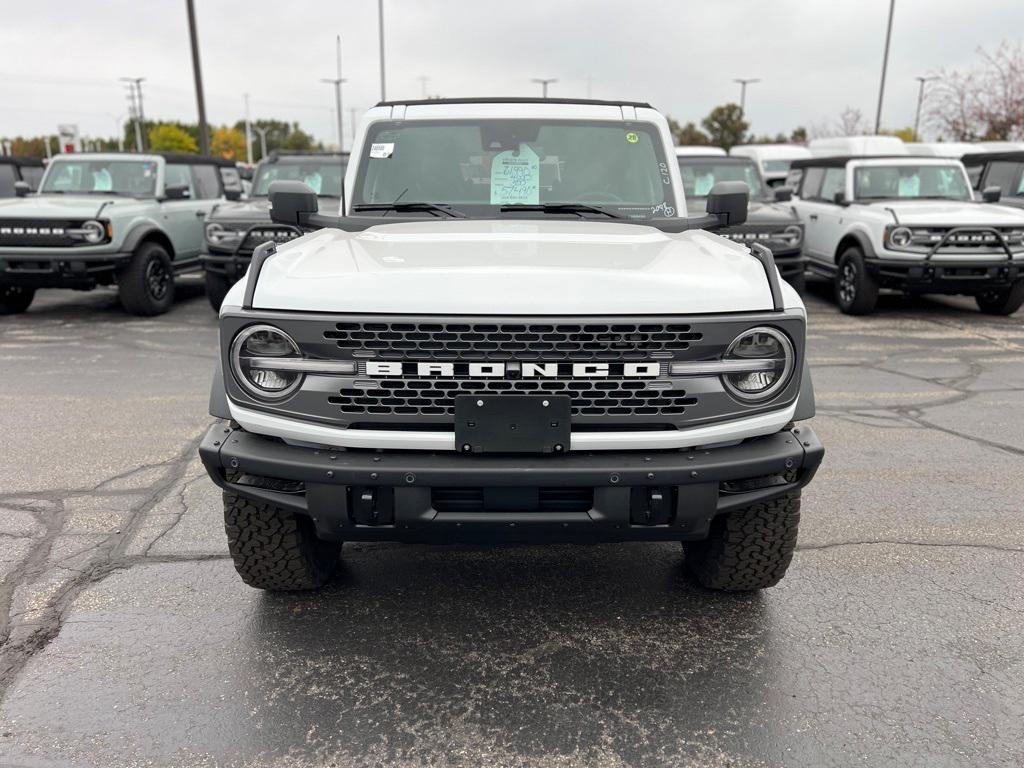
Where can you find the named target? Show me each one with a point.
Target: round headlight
(254, 353)
(93, 232)
(770, 353)
(794, 233)
(901, 237)
(218, 234)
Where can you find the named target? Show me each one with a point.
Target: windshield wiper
(443, 208)
(578, 208)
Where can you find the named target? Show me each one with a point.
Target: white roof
(694, 149)
(771, 151)
(857, 145)
(997, 146)
(909, 160)
(940, 148)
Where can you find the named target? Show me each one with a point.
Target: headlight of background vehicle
(900, 237)
(793, 234)
(768, 345)
(253, 354)
(218, 234)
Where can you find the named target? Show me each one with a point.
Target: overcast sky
(61, 60)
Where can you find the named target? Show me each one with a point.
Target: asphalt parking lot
(896, 639)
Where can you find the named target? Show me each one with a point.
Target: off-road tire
(798, 281)
(146, 283)
(217, 287)
(856, 291)
(14, 299)
(274, 549)
(1004, 302)
(748, 549)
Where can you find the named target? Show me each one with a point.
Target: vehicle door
(183, 218)
(829, 229)
(809, 207)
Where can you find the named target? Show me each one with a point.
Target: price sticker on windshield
(382, 150)
(515, 177)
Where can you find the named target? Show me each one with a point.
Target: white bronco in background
(512, 331)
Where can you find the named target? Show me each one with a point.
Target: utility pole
(248, 131)
(920, 101)
(544, 82)
(204, 138)
(352, 116)
(337, 81)
(263, 139)
(423, 85)
(135, 102)
(744, 82)
(885, 64)
(380, 29)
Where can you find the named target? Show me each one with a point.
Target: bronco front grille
(501, 341)
(37, 233)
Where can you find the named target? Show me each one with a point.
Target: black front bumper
(601, 496)
(82, 271)
(966, 276)
(232, 265)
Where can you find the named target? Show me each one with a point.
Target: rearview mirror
(21, 189)
(728, 202)
(783, 194)
(991, 194)
(291, 202)
(177, 192)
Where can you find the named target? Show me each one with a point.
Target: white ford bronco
(511, 330)
(911, 224)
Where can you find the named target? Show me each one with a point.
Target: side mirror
(177, 192)
(728, 202)
(291, 202)
(233, 194)
(991, 194)
(783, 194)
(839, 198)
(21, 189)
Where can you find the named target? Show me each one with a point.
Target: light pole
(544, 82)
(744, 81)
(423, 85)
(337, 81)
(920, 100)
(135, 93)
(248, 131)
(885, 64)
(380, 31)
(204, 138)
(263, 139)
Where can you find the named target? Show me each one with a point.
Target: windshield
(700, 175)
(776, 166)
(481, 167)
(883, 182)
(120, 177)
(323, 174)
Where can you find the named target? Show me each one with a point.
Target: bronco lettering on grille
(515, 370)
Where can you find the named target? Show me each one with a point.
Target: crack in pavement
(907, 543)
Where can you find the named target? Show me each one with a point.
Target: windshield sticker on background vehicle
(382, 150)
(664, 209)
(632, 137)
(515, 177)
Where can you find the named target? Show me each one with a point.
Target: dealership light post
(204, 139)
(337, 81)
(544, 82)
(263, 132)
(248, 131)
(135, 100)
(744, 82)
(380, 32)
(920, 101)
(885, 64)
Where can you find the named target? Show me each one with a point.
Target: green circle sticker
(632, 138)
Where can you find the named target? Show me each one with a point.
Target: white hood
(941, 213)
(512, 268)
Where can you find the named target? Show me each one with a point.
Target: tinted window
(835, 181)
(699, 176)
(32, 174)
(811, 186)
(776, 166)
(974, 174)
(7, 179)
(178, 176)
(481, 166)
(1006, 176)
(207, 181)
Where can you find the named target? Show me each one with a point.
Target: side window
(207, 182)
(231, 179)
(178, 175)
(810, 187)
(835, 181)
(793, 178)
(32, 174)
(974, 175)
(1003, 175)
(7, 179)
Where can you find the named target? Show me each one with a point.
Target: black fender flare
(141, 231)
(218, 396)
(863, 242)
(805, 400)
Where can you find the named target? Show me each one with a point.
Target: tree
(228, 142)
(297, 139)
(725, 125)
(904, 134)
(686, 135)
(851, 122)
(166, 137)
(799, 135)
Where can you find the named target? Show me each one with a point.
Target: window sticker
(632, 137)
(382, 150)
(515, 177)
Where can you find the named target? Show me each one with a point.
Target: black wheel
(1004, 302)
(217, 287)
(146, 284)
(275, 550)
(798, 281)
(14, 299)
(856, 291)
(747, 549)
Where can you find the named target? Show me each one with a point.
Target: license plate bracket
(512, 423)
